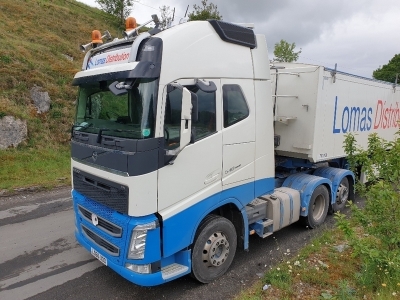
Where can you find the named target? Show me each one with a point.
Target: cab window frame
(228, 101)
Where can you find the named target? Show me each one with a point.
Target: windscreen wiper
(84, 126)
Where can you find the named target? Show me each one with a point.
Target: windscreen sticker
(146, 132)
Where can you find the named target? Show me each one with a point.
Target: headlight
(138, 240)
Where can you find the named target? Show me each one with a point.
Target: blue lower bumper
(140, 279)
(137, 278)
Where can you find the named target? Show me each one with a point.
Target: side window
(206, 123)
(235, 106)
(172, 121)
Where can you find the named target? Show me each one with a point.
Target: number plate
(99, 256)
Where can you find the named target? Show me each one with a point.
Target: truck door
(238, 138)
(195, 174)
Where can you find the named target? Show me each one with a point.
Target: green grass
(34, 36)
(31, 167)
(318, 271)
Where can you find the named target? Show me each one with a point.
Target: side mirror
(183, 102)
(186, 118)
(120, 88)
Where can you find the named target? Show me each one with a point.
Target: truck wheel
(318, 207)
(214, 248)
(342, 195)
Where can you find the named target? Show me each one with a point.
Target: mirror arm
(207, 87)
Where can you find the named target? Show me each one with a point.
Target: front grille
(108, 227)
(109, 248)
(110, 194)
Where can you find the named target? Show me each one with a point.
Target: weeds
(360, 259)
(374, 232)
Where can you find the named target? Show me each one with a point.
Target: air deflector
(234, 34)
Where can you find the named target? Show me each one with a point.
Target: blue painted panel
(179, 230)
(335, 175)
(153, 279)
(263, 186)
(127, 223)
(305, 184)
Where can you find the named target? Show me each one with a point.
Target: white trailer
(315, 107)
(187, 141)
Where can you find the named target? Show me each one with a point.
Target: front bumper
(164, 269)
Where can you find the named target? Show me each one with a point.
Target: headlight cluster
(138, 240)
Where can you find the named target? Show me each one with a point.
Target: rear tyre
(214, 248)
(342, 195)
(318, 207)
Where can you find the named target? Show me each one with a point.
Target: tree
(166, 16)
(284, 52)
(118, 8)
(388, 72)
(205, 12)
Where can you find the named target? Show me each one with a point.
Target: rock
(40, 99)
(12, 132)
(323, 264)
(266, 287)
(70, 58)
(341, 248)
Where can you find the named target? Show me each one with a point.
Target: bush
(374, 231)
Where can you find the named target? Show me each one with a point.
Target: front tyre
(214, 248)
(318, 207)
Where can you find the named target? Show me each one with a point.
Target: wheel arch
(235, 212)
(306, 184)
(335, 175)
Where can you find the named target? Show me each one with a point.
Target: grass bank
(44, 168)
(40, 47)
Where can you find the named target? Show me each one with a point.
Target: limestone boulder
(12, 132)
(40, 99)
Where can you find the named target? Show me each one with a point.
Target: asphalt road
(40, 259)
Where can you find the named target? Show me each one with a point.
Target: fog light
(142, 269)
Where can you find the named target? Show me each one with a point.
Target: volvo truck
(188, 140)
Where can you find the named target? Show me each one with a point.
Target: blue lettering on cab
(100, 61)
(351, 119)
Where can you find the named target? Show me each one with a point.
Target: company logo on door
(356, 118)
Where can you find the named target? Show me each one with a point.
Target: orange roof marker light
(130, 24)
(132, 30)
(97, 39)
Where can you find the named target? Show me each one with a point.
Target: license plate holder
(100, 257)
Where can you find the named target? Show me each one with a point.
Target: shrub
(374, 231)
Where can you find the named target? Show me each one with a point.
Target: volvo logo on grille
(95, 220)
(94, 155)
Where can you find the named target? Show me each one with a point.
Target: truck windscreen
(130, 115)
